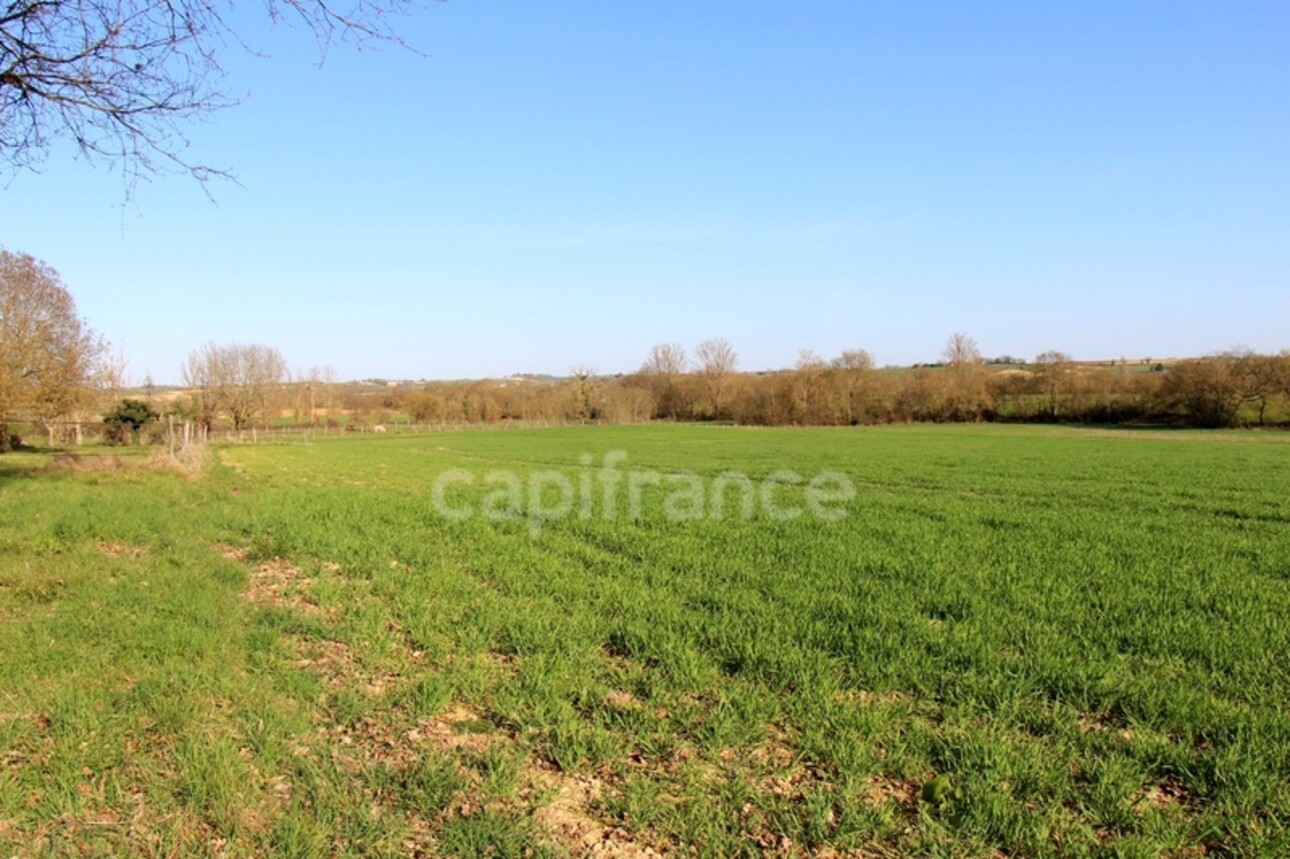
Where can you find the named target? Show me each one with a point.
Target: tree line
(57, 372)
(1239, 387)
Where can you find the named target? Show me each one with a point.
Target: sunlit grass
(1082, 632)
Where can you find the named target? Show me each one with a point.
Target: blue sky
(570, 183)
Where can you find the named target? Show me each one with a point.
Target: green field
(1017, 641)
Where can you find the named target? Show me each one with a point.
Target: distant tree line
(1239, 387)
(236, 386)
(59, 376)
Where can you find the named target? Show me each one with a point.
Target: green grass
(1079, 634)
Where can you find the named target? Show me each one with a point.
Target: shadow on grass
(23, 463)
(26, 463)
(1161, 427)
(1269, 430)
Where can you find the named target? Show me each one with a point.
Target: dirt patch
(567, 818)
(233, 553)
(1169, 793)
(495, 666)
(376, 741)
(333, 661)
(338, 668)
(882, 790)
(621, 701)
(775, 753)
(866, 698)
(1091, 724)
(369, 742)
(280, 584)
(504, 664)
(795, 784)
(122, 550)
(458, 727)
(405, 642)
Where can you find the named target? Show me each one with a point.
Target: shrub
(126, 419)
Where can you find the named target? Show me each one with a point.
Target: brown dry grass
(122, 550)
(280, 584)
(190, 462)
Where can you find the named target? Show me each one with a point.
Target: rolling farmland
(940, 640)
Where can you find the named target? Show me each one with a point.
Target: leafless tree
(665, 359)
(627, 404)
(1052, 370)
(661, 372)
(810, 389)
(854, 360)
(854, 369)
(966, 395)
(314, 384)
(240, 380)
(122, 79)
(200, 371)
(254, 382)
(961, 351)
(304, 386)
(715, 361)
(918, 396)
(297, 384)
(47, 354)
(327, 380)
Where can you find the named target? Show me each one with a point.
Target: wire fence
(178, 434)
(306, 434)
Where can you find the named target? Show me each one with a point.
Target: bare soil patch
(568, 818)
(122, 550)
(458, 727)
(280, 584)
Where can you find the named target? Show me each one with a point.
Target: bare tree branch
(123, 79)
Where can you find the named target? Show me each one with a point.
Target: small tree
(715, 361)
(660, 373)
(1206, 391)
(1052, 372)
(967, 395)
(424, 405)
(854, 369)
(124, 422)
(584, 378)
(1258, 376)
(809, 389)
(240, 380)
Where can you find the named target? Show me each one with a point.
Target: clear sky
(558, 184)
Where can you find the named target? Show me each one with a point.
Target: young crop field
(632, 641)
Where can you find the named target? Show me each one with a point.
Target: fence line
(308, 434)
(178, 435)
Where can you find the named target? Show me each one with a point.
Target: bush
(127, 419)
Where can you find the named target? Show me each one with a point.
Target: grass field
(1017, 641)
